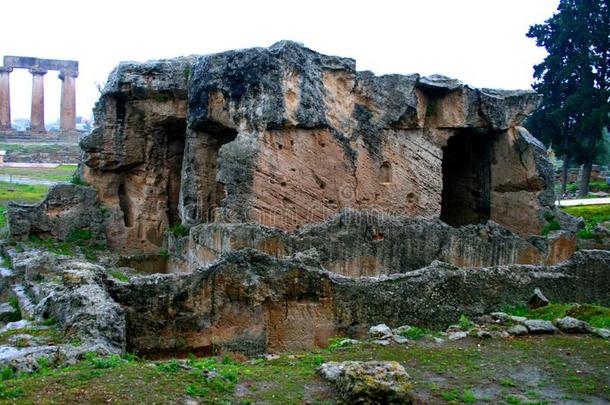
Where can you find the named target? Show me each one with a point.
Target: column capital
(67, 73)
(38, 71)
(6, 69)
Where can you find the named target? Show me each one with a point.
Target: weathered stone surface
(602, 333)
(8, 313)
(572, 325)
(500, 317)
(248, 147)
(381, 331)
(65, 209)
(538, 300)
(72, 292)
(372, 382)
(255, 303)
(518, 330)
(537, 326)
(361, 244)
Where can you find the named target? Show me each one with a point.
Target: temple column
(37, 115)
(67, 114)
(5, 99)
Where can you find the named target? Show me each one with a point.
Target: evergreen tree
(574, 80)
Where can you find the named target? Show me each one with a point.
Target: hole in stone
(174, 137)
(385, 173)
(280, 146)
(283, 184)
(206, 199)
(377, 236)
(466, 167)
(125, 205)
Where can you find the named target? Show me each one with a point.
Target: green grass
(21, 193)
(2, 216)
(78, 241)
(34, 148)
(452, 373)
(59, 173)
(119, 275)
(515, 310)
(415, 333)
(592, 214)
(596, 315)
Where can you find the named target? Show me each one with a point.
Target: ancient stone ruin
(68, 72)
(279, 197)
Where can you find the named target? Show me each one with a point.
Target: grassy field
(35, 147)
(592, 214)
(59, 173)
(540, 370)
(21, 192)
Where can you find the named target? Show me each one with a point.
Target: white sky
(481, 42)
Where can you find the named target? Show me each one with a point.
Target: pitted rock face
(285, 137)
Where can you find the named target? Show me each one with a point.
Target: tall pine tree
(574, 80)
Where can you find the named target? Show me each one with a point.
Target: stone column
(67, 114)
(5, 99)
(37, 115)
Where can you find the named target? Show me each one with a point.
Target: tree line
(574, 81)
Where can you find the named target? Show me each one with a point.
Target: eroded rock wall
(134, 155)
(285, 137)
(254, 303)
(363, 244)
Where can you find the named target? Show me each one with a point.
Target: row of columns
(67, 117)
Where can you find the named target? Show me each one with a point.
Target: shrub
(179, 230)
(553, 225)
(169, 367)
(465, 322)
(77, 180)
(414, 333)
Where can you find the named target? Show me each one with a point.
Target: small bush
(414, 333)
(465, 323)
(169, 367)
(552, 225)
(77, 180)
(585, 233)
(103, 362)
(515, 310)
(79, 235)
(15, 316)
(164, 254)
(179, 230)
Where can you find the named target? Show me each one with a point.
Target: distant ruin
(68, 72)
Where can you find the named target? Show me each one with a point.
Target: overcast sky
(481, 42)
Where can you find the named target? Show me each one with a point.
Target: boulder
(602, 333)
(373, 382)
(500, 317)
(518, 319)
(381, 331)
(537, 326)
(401, 330)
(572, 325)
(457, 335)
(518, 330)
(538, 300)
